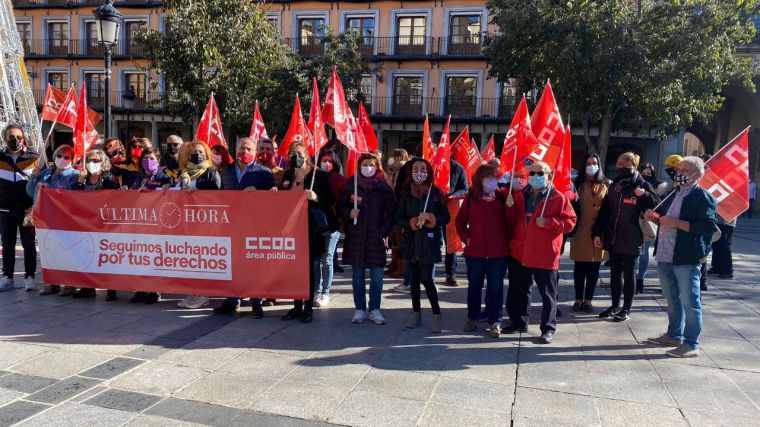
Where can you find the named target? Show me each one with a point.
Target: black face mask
(297, 161)
(623, 173)
(173, 148)
(197, 158)
(13, 143)
(671, 172)
(649, 178)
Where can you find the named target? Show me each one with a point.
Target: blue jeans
(325, 284)
(644, 260)
(680, 285)
(360, 287)
(492, 271)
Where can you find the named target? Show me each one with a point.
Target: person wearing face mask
(266, 155)
(649, 173)
(220, 157)
(591, 185)
(126, 168)
(538, 217)
(423, 229)
(170, 160)
(670, 165)
(395, 163)
(197, 173)
(364, 246)
(298, 177)
(329, 162)
(97, 176)
(60, 176)
(687, 222)
(17, 163)
(617, 230)
(459, 189)
(482, 226)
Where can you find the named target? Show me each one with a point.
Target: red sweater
(482, 226)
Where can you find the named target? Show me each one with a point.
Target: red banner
(201, 243)
(727, 177)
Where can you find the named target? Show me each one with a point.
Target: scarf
(419, 190)
(367, 184)
(193, 171)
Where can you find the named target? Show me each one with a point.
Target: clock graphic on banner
(170, 215)
(68, 250)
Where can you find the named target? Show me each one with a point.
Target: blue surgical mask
(537, 181)
(592, 170)
(490, 185)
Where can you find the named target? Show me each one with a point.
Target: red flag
(336, 111)
(316, 126)
(356, 133)
(562, 178)
(258, 129)
(81, 140)
(490, 151)
(53, 101)
(519, 140)
(727, 177)
(367, 129)
(67, 114)
(427, 141)
(547, 128)
(442, 161)
(477, 150)
(298, 131)
(353, 158)
(466, 153)
(210, 128)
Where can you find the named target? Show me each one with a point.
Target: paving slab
(71, 414)
(19, 410)
(63, 390)
(60, 363)
(473, 394)
(25, 383)
(157, 378)
(541, 408)
(112, 368)
(363, 408)
(296, 400)
(237, 390)
(404, 385)
(617, 413)
(442, 415)
(123, 400)
(194, 412)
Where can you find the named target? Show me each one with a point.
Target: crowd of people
(512, 227)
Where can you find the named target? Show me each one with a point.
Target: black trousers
(423, 274)
(519, 291)
(622, 270)
(585, 275)
(11, 224)
(722, 259)
(315, 273)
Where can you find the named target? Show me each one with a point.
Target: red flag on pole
(67, 114)
(316, 126)
(81, 140)
(367, 129)
(427, 141)
(727, 177)
(519, 141)
(53, 101)
(466, 153)
(258, 128)
(210, 128)
(490, 151)
(442, 161)
(298, 131)
(547, 128)
(336, 112)
(562, 178)
(477, 150)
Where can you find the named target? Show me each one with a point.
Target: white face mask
(368, 171)
(391, 161)
(325, 166)
(93, 168)
(216, 159)
(62, 163)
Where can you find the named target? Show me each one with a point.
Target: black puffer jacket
(325, 200)
(422, 246)
(364, 245)
(618, 219)
(13, 178)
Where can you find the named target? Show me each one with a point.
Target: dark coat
(13, 179)
(106, 182)
(158, 180)
(364, 245)
(699, 208)
(325, 200)
(209, 180)
(618, 219)
(457, 180)
(422, 246)
(256, 175)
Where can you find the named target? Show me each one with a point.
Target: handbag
(319, 219)
(648, 229)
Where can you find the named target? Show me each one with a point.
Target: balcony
(402, 47)
(400, 108)
(32, 4)
(149, 102)
(65, 48)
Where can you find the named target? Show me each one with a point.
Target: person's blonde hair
(105, 163)
(630, 156)
(400, 155)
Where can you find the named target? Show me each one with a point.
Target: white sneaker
(6, 284)
(318, 300)
(377, 317)
(184, 302)
(324, 300)
(359, 316)
(404, 289)
(198, 302)
(29, 284)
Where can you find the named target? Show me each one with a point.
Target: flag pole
(43, 154)
(314, 175)
(510, 199)
(356, 187)
(208, 132)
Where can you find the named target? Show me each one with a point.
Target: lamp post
(107, 23)
(129, 100)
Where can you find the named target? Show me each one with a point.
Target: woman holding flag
(422, 214)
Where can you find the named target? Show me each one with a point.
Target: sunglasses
(61, 156)
(542, 173)
(94, 161)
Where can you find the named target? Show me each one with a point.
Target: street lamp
(129, 101)
(107, 23)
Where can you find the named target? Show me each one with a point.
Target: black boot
(639, 286)
(111, 295)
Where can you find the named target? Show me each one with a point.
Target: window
(365, 27)
(461, 96)
(508, 97)
(365, 89)
(58, 38)
(25, 33)
(130, 44)
(96, 89)
(311, 31)
(59, 80)
(464, 36)
(411, 35)
(139, 83)
(407, 96)
(91, 43)
(274, 21)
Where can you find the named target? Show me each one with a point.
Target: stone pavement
(72, 362)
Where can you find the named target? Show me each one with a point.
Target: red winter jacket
(537, 247)
(483, 228)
